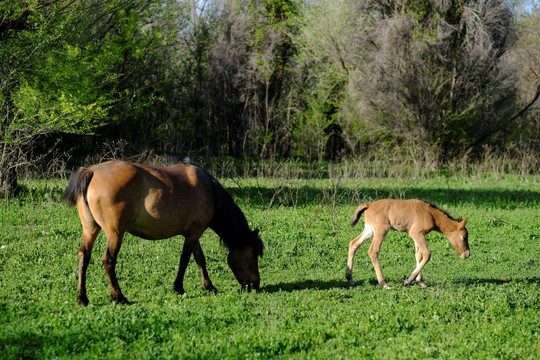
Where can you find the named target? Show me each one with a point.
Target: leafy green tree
(70, 66)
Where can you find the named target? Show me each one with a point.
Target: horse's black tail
(359, 211)
(78, 185)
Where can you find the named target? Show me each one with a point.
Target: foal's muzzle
(464, 255)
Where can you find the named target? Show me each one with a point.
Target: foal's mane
(229, 221)
(441, 210)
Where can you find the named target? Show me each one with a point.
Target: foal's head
(459, 239)
(244, 261)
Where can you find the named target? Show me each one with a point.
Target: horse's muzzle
(465, 255)
(251, 286)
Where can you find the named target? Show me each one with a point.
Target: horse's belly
(154, 229)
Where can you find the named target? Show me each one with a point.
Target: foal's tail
(359, 211)
(78, 185)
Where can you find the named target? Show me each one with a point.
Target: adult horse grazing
(158, 203)
(417, 218)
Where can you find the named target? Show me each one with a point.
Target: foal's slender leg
(114, 241)
(418, 255)
(374, 255)
(423, 254)
(353, 248)
(90, 233)
(201, 262)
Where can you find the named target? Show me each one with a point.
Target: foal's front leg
(418, 256)
(422, 257)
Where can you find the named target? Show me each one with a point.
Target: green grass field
(486, 307)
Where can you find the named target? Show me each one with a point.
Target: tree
(70, 66)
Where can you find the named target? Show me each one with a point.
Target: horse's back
(149, 201)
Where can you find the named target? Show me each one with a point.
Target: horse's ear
(460, 219)
(255, 232)
(464, 222)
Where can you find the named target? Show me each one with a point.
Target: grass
(484, 307)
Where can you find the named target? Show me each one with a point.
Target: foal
(417, 218)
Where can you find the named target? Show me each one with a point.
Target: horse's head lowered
(460, 239)
(244, 261)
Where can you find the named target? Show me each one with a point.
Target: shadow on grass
(472, 281)
(306, 285)
(309, 195)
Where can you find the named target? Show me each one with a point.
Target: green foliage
(483, 307)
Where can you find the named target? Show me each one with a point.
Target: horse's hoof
(179, 290)
(387, 287)
(83, 301)
(422, 284)
(352, 283)
(213, 290)
(121, 300)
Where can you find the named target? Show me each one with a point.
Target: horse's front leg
(422, 257)
(201, 262)
(114, 241)
(190, 243)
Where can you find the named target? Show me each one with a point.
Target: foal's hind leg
(374, 255)
(353, 248)
(114, 241)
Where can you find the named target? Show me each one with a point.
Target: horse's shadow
(342, 284)
(306, 285)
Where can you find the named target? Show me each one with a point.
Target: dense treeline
(267, 79)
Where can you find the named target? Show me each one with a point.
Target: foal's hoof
(387, 287)
(213, 290)
(422, 284)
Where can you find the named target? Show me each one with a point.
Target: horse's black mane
(229, 221)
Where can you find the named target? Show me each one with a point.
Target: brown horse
(158, 203)
(417, 218)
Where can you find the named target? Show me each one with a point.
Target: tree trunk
(8, 180)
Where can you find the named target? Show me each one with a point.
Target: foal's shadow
(306, 285)
(479, 281)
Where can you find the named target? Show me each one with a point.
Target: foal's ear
(255, 232)
(463, 222)
(460, 219)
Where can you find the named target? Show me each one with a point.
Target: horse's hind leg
(201, 262)
(353, 248)
(90, 233)
(114, 241)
